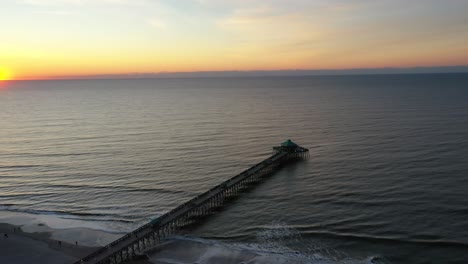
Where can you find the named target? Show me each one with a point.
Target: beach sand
(35, 239)
(37, 247)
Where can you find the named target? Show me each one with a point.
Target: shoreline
(66, 230)
(33, 241)
(26, 238)
(18, 247)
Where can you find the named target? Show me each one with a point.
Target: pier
(133, 244)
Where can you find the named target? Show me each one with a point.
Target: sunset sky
(60, 38)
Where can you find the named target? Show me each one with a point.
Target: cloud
(156, 23)
(125, 2)
(82, 2)
(51, 2)
(58, 12)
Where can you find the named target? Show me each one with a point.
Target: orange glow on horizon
(79, 65)
(51, 40)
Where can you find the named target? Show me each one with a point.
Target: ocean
(386, 181)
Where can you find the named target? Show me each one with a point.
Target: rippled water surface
(387, 174)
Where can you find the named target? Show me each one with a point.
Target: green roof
(289, 143)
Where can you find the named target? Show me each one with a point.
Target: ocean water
(387, 177)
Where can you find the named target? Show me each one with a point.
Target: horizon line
(261, 73)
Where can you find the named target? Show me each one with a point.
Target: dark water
(386, 179)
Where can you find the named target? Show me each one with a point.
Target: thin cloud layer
(54, 37)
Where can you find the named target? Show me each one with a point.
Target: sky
(41, 39)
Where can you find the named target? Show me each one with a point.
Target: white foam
(255, 253)
(86, 233)
(274, 244)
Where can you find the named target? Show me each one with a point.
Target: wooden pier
(151, 234)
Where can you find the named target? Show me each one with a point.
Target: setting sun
(5, 74)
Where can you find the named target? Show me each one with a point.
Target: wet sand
(37, 247)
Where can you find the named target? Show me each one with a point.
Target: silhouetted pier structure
(151, 234)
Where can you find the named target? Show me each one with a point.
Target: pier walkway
(151, 234)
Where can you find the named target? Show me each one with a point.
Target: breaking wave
(274, 244)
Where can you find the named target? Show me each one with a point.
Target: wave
(424, 240)
(274, 243)
(296, 232)
(83, 216)
(20, 166)
(331, 230)
(202, 250)
(113, 188)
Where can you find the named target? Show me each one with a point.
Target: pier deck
(152, 233)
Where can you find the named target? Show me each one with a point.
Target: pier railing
(151, 234)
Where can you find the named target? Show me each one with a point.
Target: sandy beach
(35, 239)
(17, 246)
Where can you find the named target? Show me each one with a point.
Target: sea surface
(386, 181)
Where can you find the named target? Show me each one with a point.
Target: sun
(5, 74)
